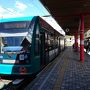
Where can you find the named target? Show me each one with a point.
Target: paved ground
(77, 74)
(64, 73)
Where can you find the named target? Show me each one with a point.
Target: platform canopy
(67, 13)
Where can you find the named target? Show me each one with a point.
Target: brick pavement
(77, 74)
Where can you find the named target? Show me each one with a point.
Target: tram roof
(52, 23)
(16, 19)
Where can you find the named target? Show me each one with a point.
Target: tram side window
(51, 42)
(37, 43)
(62, 43)
(46, 41)
(56, 42)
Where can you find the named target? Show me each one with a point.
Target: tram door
(42, 49)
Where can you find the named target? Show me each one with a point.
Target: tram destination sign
(15, 25)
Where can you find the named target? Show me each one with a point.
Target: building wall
(87, 34)
(69, 40)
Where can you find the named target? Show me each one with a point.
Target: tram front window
(12, 41)
(13, 44)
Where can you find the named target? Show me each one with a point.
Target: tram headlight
(21, 57)
(1, 58)
(23, 70)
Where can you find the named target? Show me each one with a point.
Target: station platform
(66, 72)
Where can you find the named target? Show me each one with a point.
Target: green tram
(27, 44)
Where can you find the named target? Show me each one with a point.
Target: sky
(18, 8)
(23, 8)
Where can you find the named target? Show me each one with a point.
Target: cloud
(2, 10)
(10, 15)
(10, 10)
(21, 5)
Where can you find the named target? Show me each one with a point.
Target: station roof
(67, 13)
